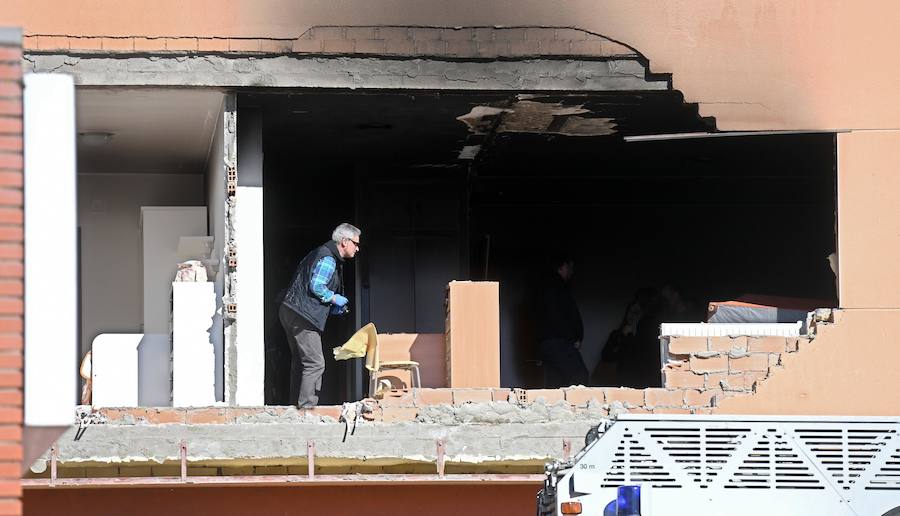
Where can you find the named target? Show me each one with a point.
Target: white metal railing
(741, 466)
(731, 329)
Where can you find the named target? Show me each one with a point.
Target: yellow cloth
(361, 344)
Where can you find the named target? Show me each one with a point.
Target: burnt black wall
(718, 217)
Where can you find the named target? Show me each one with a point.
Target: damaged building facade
(722, 148)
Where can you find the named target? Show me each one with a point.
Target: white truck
(686, 465)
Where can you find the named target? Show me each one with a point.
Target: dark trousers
(307, 360)
(563, 365)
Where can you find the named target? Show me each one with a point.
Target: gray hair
(348, 231)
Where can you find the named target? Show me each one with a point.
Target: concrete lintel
(351, 72)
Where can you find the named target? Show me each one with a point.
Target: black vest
(299, 296)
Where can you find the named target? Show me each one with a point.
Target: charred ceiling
(446, 128)
(512, 144)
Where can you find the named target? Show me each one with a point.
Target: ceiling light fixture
(374, 125)
(95, 138)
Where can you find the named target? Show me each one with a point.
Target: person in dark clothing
(622, 339)
(561, 330)
(315, 292)
(640, 365)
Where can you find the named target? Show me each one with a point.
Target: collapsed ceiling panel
(529, 116)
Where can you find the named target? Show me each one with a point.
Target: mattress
(763, 309)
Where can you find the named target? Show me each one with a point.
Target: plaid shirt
(321, 275)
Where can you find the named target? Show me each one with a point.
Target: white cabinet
(114, 369)
(161, 228)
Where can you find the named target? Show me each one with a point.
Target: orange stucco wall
(754, 64)
(451, 500)
(869, 219)
(849, 369)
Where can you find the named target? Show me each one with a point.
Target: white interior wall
(109, 212)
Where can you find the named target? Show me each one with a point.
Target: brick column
(11, 271)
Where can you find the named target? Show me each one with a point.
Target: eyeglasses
(354, 242)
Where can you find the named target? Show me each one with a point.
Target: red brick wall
(11, 277)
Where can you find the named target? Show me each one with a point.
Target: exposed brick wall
(711, 368)
(447, 42)
(11, 276)
(702, 371)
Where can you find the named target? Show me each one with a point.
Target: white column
(248, 280)
(248, 226)
(51, 276)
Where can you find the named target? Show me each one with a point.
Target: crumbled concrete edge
(820, 317)
(229, 319)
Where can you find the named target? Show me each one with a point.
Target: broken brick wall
(714, 369)
(849, 368)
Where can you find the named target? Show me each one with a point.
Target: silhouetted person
(561, 329)
(640, 363)
(622, 339)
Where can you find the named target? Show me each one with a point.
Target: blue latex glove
(340, 300)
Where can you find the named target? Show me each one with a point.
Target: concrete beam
(281, 444)
(351, 72)
(478, 435)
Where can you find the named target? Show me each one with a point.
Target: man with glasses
(315, 292)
